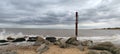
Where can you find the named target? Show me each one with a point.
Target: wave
(114, 38)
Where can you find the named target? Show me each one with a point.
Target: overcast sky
(59, 13)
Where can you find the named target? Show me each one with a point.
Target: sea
(96, 35)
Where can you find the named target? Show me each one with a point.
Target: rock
(62, 43)
(19, 40)
(3, 41)
(10, 38)
(87, 43)
(8, 52)
(42, 48)
(102, 46)
(105, 52)
(80, 47)
(39, 41)
(32, 39)
(73, 41)
(93, 52)
(116, 51)
(51, 39)
(113, 49)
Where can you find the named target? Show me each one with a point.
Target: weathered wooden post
(76, 24)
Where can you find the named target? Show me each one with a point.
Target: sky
(59, 14)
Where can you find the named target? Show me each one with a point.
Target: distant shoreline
(117, 28)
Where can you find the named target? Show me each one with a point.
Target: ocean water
(84, 34)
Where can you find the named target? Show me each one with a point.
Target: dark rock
(51, 39)
(3, 41)
(105, 52)
(42, 48)
(32, 39)
(10, 38)
(87, 43)
(93, 52)
(73, 41)
(19, 40)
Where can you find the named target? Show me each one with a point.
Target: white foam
(115, 38)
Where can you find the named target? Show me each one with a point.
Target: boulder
(73, 41)
(42, 48)
(87, 43)
(116, 50)
(80, 47)
(40, 41)
(19, 40)
(107, 46)
(92, 52)
(62, 43)
(32, 39)
(51, 39)
(105, 52)
(102, 46)
(10, 38)
(3, 41)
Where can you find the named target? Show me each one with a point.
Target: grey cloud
(46, 12)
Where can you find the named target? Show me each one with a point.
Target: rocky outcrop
(42, 48)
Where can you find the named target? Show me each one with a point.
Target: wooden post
(76, 24)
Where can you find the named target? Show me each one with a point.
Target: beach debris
(51, 39)
(105, 52)
(88, 43)
(62, 43)
(92, 52)
(73, 41)
(42, 48)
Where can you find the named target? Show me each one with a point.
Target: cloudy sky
(59, 13)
